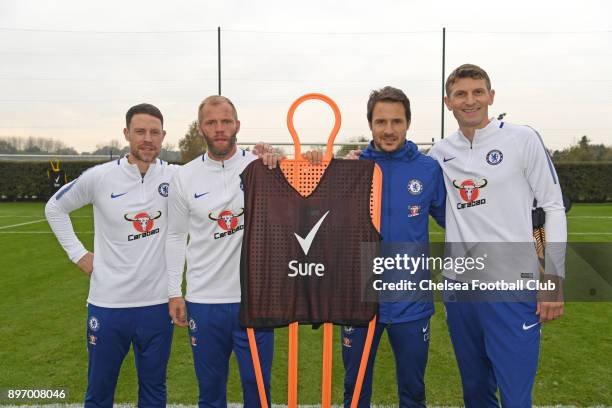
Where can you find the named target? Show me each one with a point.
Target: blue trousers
(215, 332)
(497, 345)
(410, 344)
(110, 332)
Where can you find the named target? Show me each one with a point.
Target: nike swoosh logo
(306, 242)
(196, 195)
(525, 327)
(57, 179)
(445, 159)
(117, 195)
(425, 328)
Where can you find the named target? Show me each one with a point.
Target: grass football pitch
(43, 325)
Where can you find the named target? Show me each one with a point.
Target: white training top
(491, 183)
(130, 222)
(207, 202)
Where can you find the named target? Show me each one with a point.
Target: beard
(220, 151)
(145, 159)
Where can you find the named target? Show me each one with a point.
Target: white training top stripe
(130, 222)
(208, 204)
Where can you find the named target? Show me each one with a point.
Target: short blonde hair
(216, 100)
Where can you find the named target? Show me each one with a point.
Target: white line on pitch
(569, 233)
(41, 232)
(40, 215)
(594, 217)
(20, 216)
(23, 223)
(91, 232)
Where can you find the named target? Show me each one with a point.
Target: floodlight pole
(443, 75)
(219, 57)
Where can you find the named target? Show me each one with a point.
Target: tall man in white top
(207, 202)
(128, 295)
(493, 170)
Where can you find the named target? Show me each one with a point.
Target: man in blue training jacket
(413, 188)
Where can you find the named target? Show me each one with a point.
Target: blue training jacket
(413, 188)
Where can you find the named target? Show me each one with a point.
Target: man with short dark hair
(412, 190)
(128, 292)
(493, 170)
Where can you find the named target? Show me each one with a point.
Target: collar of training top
(480, 135)
(408, 152)
(132, 169)
(236, 158)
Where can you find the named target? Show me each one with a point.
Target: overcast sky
(70, 69)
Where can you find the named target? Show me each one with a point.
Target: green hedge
(20, 180)
(586, 182)
(582, 182)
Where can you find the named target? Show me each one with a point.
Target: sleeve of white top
(72, 196)
(433, 152)
(176, 241)
(544, 182)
